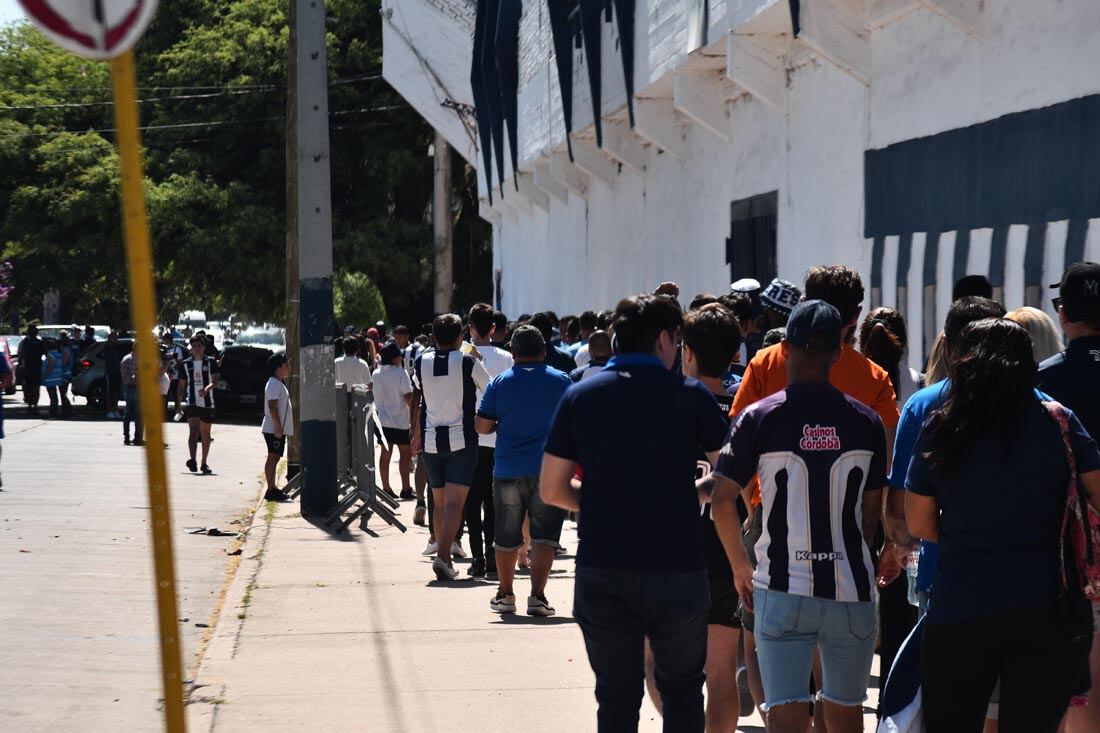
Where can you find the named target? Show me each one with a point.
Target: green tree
(356, 300)
(212, 77)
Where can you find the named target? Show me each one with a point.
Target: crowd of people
(763, 486)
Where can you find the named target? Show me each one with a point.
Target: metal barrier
(355, 465)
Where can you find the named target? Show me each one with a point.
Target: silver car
(90, 375)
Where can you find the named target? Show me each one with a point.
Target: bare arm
(484, 425)
(414, 421)
(922, 514)
(1091, 482)
(893, 518)
(556, 483)
(872, 513)
(273, 407)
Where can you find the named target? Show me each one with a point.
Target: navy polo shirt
(1073, 378)
(522, 401)
(636, 430)
(1001, 517)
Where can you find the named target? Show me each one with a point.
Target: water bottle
(911, 563)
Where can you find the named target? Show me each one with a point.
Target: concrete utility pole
(441, 224)
(309, 242)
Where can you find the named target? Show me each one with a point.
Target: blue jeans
(132, 412)
(514, 498)
(617, 610)
(789, 627)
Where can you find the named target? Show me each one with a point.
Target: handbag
(1080, 522)
(1080, 538)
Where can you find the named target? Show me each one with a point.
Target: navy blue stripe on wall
(1075, 240)
(905, 258)
(998, 255)
(878, 249)
(931, 257)
(1038, 165)
(962, 255)
(1033, 254)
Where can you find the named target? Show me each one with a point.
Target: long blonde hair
(1046, 340)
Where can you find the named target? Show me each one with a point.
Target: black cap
(276, 360)
(815, 325)
(1080, 291)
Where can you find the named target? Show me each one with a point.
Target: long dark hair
(882, 339)
(992, 388)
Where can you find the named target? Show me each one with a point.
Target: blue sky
(10, 10)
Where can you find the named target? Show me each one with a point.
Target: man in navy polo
(518, 406)
(637, 429)
(1073, 378)
(821, 459)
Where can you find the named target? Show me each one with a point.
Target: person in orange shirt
(854, 375)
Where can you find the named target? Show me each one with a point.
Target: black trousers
(32, 389)
(617, 610)
(478, 500)
(1026, 647)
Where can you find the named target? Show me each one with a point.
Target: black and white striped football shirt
(195, 376)
(448, 381)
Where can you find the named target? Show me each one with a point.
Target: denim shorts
(789, 627)
(514, 498)
(456, 467)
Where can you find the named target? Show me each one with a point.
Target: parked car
(244, 375)
(11, 346)
(89, 374)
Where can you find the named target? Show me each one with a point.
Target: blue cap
(815, 325)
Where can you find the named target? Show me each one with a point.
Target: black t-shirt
(718, 565)
(33, 349)
(637, 430)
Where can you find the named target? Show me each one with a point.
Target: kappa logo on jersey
(819, 438)
(827, 556)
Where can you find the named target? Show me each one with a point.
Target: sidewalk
(356, 634)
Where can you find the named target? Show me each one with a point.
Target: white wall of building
(670, 222)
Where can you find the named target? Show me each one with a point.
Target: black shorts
(724, 604)
(275, 446)
(394, 436)
(205, 414)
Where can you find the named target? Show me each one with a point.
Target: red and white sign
(97, 29)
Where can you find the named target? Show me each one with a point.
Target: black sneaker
(192, 466)
(126, 441)
(138, 442)
(206, 470)
(276, 495)
(407, 495)
(491, 567)
(389, 493)
(477, 568)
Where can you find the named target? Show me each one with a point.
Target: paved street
(79, 617)
(356, 634)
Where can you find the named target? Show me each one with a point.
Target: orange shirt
(855, 375)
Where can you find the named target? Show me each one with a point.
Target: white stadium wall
(907, 82)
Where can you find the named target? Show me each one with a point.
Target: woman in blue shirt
(988, 481)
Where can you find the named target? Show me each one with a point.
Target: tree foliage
(357, 300)
(212, 76)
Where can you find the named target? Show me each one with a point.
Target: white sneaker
(539, 607)
(430, 549)
(442, 570)
(456, 550)
(503, 604)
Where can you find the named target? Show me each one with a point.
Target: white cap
(745, 285)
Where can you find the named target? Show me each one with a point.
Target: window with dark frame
(752, 243)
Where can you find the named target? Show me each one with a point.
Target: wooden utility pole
(441, 224)
(309, 255)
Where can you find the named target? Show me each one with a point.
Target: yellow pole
(139, 258)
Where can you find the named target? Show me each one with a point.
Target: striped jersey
(449, 382)
(195, 376)
(817, 452)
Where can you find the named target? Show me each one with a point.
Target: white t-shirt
(391, 386)
(496, 361)
(582, 356)
(276, 390)
(352, 371)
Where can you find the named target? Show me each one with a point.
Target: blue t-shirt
(817, 452)
(1001, 517)
(522, 401)
(636, 429)
(917, 410)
